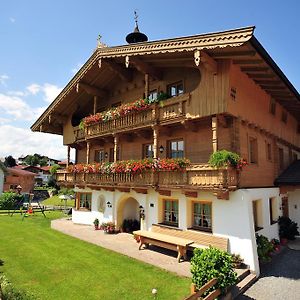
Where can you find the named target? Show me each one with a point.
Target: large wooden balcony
(171, 111)
(196, 177)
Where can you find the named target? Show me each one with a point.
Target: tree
(31, 160)
(9, 161)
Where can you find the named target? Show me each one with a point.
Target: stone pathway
(124, 243)
(280, 279)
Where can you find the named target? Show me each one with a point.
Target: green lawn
(55, 266)
(55, 200)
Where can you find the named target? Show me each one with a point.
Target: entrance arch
(128, 208)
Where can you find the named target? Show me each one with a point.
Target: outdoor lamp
(106, 155)
(108, 204)
(142, 212)
(161, 149)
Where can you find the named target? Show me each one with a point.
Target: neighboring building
(2, 174)
(225, 92)
(42, 173)
(16, 176)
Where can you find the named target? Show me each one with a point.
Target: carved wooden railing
(79, 133)
(169, 111)
(198, 176)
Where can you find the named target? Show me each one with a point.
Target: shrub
(210, 263)
(264, 248)
(54, 169)
(9, 200)
(9, 292)
(224, 158)
(287, 228)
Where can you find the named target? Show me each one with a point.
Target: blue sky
(43, 43)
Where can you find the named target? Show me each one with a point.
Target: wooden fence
(196, 295)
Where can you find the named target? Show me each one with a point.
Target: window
(233, 93)
(284, 116)
(176, 149)
(273, 210)
(281, 158)
(175, 89)
(269, 151)
(84, 201)
(99, 155)
(152, 95)
(253, 151)
(257, 215)
(148, 151)
(272, 108)
(111, 154)
(202, 216)
(171, 212)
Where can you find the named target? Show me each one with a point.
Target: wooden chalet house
(205, 93)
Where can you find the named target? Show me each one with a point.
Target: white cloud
(49, 90)
(4, 120)
(77, 68)
(17, 141)
(12, 20)
(3, 79)
(16, 93)
(18, 108)
(33, 88)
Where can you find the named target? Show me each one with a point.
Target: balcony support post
(214, 127)
(95, 105)
(116, 141)
(88, 146)
(155, 141)
(146, 85)
(68, 156)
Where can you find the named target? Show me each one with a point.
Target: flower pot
(283, 241)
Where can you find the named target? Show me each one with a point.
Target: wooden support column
(95, 105)
(146, 85)
(116, 140)
(214, 127)
(88, 146)
(68, 156)
(155, 141)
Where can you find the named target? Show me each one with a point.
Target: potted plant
(276, 245)
(109, 227)
(237, 261)
(287, 229)
(96, 224)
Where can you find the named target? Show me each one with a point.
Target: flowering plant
(116, 112)
(132, 166)
(224, 158)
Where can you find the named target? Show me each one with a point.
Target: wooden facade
(228, 89)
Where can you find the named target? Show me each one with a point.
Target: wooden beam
(247, 61)
(92, 90)
(191, 194)
(145, 68)
(164, 192)
(257, 75)
(208, 62)
(255, 69)
(125, 75)
(233, 54)
(140, 190)
(267, 82)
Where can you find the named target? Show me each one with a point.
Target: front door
(285, 207)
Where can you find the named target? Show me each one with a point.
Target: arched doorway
(128, 209)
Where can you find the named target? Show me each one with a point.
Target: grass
(56, 266)
(55, 200)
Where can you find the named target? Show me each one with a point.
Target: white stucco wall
(231, 218)
(294, 206)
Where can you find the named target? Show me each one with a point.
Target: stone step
(243, 285)
(242, 273)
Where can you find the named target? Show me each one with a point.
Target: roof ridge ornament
(99, 43)
(136, 36)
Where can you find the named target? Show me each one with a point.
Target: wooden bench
(200, 239)
(178, 244)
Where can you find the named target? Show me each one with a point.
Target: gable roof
(225, 44)
(20, 172)
(290, 176)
